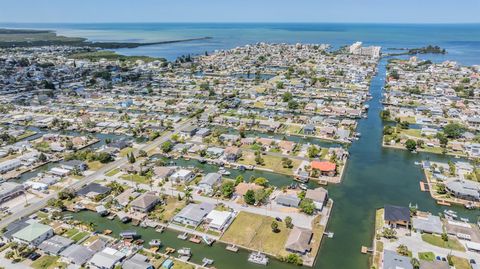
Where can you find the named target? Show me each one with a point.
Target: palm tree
(188, 195)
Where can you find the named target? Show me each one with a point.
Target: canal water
(374, 176)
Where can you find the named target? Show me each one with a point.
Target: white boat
(209, 241)
(303, 187)
(464, 219)
(224, 172)
(418, 163)
(155, 243)
(185, 252)
(258, 258)
(450, 213)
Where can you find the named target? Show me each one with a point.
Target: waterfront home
(397, 216)
(182, 176)
(33, 234)
(10, 190)
(77, 254)
(137, 261)
(124, 198)
(55, 244)
(74, 164)
(214, 152)
(287, 200)
(232, 153)
(309, 129)
(324, 167)
(193, 214)
(106, 259)
(161, 173)
(427, 224)
(435, 264)
(392, 260)
(93, 190)
(218, 220)
(145, 202)
(319, 196)
(463, 189)
(299, 240)
(209, 181)
(9, 165)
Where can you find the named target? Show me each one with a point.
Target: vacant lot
(452, 243)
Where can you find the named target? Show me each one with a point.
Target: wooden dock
(194, 239)
(443, 202)
(366, 250)
(232, 248)
(424, 186)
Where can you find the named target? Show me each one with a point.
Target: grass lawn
(293, 129)
(379, 222)
(411, 132)
(48, 262)
(460, 263)
(95, 165)
(26, 134)
(270, 162)
(409, 119)
(426, 256)
(167, 211)
(254, 231)
(452, 243)
(79, 236)
(136, 178)
(70, 233)
(112, 172)
(125, 151)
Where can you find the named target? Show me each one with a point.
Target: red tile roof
(323, 166)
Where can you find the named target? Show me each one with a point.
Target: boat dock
(443, 202)
(194, 239)
(206, 262)
(366, 250)
(424, 186)
(232, 248)
(183, 236)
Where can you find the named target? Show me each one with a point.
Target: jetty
(232, 248)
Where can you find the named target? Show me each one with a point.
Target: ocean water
(462, 41)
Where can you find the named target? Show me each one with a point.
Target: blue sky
(402, 11)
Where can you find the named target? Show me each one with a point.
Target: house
(124, 198)
(137, 261)
(106, 259)
(203, 132)
(182, 175)
(162, 172)
(299, 240)
(427, 224)
(33, 234)
(10, 190)
(319, 196)
(464, 189)
(397, 215)
(74, 164)
(193, 214)
(214, 152)
(435, 264)
(232, 153)
(392, 260)
(209, 181)
(9, 165)
(77, 254)
(218, 220)
(189, 131)
(325, 168)
(309, 129)
(288, 200)
(145, 202)
(55, 245)
(93, 190)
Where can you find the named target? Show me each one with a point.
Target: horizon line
(241, 22)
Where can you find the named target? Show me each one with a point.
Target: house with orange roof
(325, 167)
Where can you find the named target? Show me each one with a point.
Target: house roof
(32, 232)
(55, 244)
(391, 260)
(299, 240)
(93, 188)
(324, 166)
(396, 213)
(195, 212)
(77, 254)
(211, 179)
(430, 224)
(145, 200)
(288, 200)
(318, 195)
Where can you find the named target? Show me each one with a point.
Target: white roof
(218, 218)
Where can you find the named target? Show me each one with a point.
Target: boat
(206, 262)
(209, 241)
(465, 219)
(469, 205)
(128, 234)
(202, 160)
(224, 172)
(160, 230)
(418, 163)
(185, 252)
(232, 248)
(258, 258)
(155, 243)
(450, 213)
(183, 236)
(303, 187)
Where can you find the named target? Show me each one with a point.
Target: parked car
(33, 256)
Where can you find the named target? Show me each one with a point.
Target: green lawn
(452, 243)
(426, 256)
(125, 151)
(95, 165)
(70, 233)
(79, 236)
(112, 172)
(48, 262)
(136, 178)
(460, 263)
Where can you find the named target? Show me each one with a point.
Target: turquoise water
(374, 176)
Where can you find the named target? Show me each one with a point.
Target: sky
(363, 11)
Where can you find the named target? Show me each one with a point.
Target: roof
(396, 213)
(464, 187)
(430, 224)
(195, 212)
(55, 244)
(288, 200)
(391, 260)
(77, 254)
(124, 197)
(218, 218)
(94, 188)
(434, 264)
(107, 258)
(145, 200)
(137, 262)
(32, 232)
(299, 240)
(318, 195)
(211, 179)
(325, 166)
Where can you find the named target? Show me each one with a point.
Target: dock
(183, 236)
(424, 186)
(443, 202)
(328, 234)
(169, 250)
(194, 239)
(366, 250)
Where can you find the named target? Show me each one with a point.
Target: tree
(142, 153)
(286, 162)
(188, 195)
(411, 145)
(228, 188)
(274, 226)
(453, 130)
(249, 197)
(313, 151)
(131, 158)
(259, 195)
(261, 181)
(445, 237)
(403, 250)
(389, 233)
(292, 104)
(288, 222)
(287, 97)
(385, 114)
(415, 263)
(258, 158)
(442, 139)
(307, 206)
(42, 157)
(167, 146)
(239, 179)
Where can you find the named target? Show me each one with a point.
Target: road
(34, 207)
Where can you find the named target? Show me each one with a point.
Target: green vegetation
(451, 243)
(459, 263)
(112, 172)
(48, 262)
(110, 56)
(426, 256)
